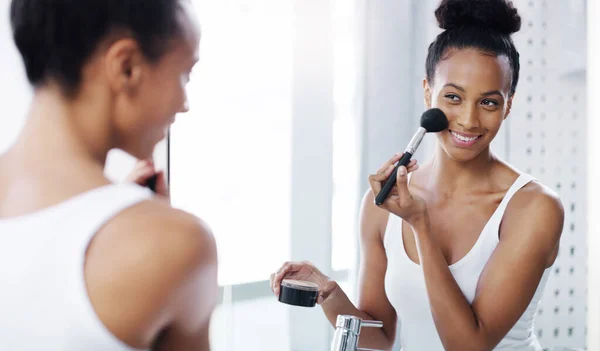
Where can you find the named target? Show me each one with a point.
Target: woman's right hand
(304, 271)
(143, 171)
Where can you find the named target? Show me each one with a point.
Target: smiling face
(473, 90)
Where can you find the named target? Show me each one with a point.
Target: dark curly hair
(485, 25)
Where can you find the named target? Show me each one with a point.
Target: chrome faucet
(347, 331)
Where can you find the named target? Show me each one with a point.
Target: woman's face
(473, 90)
(145, 113)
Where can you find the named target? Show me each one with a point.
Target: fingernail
(402, 171)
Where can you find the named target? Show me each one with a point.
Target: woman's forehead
(473, 68)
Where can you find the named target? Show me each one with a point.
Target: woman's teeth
(465, 139)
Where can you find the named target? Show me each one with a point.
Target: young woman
(459, 253)
(86, 264)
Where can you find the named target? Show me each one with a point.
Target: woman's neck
(451, 176)
(58, 127)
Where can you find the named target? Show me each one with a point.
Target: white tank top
(405, 285)
(44, 303)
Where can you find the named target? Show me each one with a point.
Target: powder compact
(298, 293)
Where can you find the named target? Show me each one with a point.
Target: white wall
(15, 93)
(593, 26)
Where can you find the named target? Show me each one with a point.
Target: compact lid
(300, 285)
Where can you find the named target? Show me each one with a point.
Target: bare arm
(529, 242)
(373, 303)
(529, 239)
(194, 300)
(174, 339)
(152, 278)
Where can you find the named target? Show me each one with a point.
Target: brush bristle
(434, 120)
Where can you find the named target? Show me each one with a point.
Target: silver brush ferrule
(416, 141)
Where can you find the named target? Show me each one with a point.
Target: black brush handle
(389, 184)
(151, 183)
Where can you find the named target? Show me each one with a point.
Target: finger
(146, 171)
(143, 164)
(382, 177)
(395, 158)
(410, 166)
(142, 176)
(402, 185)
(279, 276)
(274, 277)
(140, 173)
(376, 180)
(391, 161)
(413, 168)
(287, 269)
(271, 278)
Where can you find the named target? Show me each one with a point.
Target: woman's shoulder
(535, 208)
(534, 211)
(533, 191)
(538, 197)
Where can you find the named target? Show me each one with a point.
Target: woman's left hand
(400, 202)
(143, 171)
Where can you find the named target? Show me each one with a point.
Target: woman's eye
(452, 97)
(491, 103)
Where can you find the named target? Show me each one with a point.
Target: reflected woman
(460, 252)
(87, 264)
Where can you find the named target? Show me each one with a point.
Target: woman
(86, 264)
(460, 253)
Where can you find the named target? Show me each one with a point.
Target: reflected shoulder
(146, 256)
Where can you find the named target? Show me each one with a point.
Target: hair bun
(497, 15)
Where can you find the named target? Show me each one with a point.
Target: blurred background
(295, 102)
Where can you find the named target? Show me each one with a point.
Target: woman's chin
(461, 154)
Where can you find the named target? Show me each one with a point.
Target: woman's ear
(509, 106)
(427, 93)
